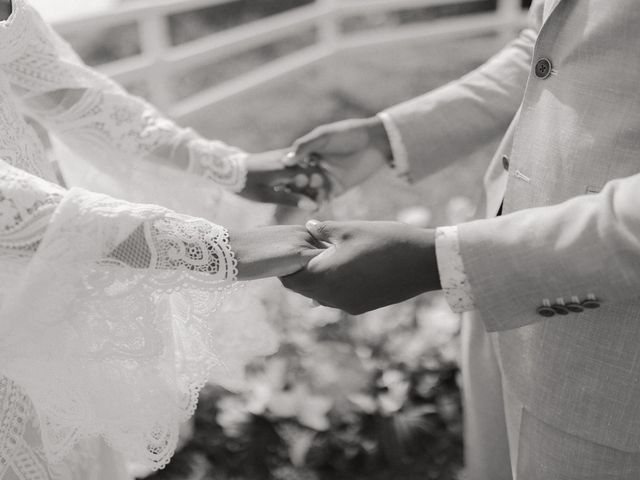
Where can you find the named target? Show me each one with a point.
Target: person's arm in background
(430, 132)
(119, 132)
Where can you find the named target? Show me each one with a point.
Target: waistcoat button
(543, 68)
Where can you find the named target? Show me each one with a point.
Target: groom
(550, 281)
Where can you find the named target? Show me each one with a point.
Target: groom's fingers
(300, 283)
(306, 284)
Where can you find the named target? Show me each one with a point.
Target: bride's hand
(272, 251)
(270, 181)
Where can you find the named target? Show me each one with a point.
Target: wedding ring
(289, 159)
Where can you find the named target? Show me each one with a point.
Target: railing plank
(132, 13)
(243, 38)
(329, 24)
(128, 69)
(125, 14)
(451, 27)
(155, 41)
(354, 7)
(257, 77)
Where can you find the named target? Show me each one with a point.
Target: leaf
(298, 450)
(259, 397)
(313, 412)
(389, 404)
(366, 403)
(391, 377)
(284, 404)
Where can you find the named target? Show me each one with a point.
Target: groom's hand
(368, 265)
(350, 151)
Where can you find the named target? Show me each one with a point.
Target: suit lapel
(549, 8)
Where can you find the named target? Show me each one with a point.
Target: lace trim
(19, 143)
(22, 203)
(219, 163)
(193, 244)
(453, 276)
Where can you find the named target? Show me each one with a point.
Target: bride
(107, 324)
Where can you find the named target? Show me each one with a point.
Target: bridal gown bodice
(107, 328)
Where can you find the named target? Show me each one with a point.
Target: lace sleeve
(98, 119)
(119, 323)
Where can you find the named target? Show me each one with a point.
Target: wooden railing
(159, 60)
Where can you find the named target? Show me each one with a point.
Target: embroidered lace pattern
(120, 347)
(214, 160)
(97, 117)
(118, 304)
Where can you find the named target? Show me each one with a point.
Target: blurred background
(376, 396)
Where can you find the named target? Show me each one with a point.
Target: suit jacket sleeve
(458, 118)
(587, 246)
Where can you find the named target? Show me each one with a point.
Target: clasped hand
(367, 265)
(353, 266)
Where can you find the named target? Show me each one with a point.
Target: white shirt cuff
(453, 277)
(398, 149)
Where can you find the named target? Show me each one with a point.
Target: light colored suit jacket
(571, 223)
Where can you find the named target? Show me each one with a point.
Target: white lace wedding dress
(107, 324)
